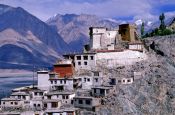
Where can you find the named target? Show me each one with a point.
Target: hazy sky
(116, 9)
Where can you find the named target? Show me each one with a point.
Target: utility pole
(33, 75)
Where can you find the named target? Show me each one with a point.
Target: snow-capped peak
(138, 22)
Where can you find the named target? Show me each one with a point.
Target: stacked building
(78, 83)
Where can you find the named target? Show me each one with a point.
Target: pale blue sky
(116, 9)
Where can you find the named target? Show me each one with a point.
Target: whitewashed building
(102, 38)
(64, 96)
(85, 61)
(88, 103)
(43, 80)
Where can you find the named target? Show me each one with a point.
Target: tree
(162, 22)
(142, 29)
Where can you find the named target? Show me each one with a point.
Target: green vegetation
(142, 29)
(161, 31)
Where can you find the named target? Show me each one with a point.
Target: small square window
(92, 57)
(84, 79)
(51, 82)
(119, 81)
(35, 93)
(78, 57)
(88, 102)
(55, 82)
(80, 101)
(79, 63)
(96, 73)
(85, 63)
(85, 57)
(96, 79)
(16, 103)
(128, 80)
(12, 103)
(88, 79)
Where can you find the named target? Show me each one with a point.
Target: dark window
(38, 105)
(64, 81)
(63, 97)
(61, 81)
(35, 93)
(84, 79)
(3, 102)
(19, 97)
(85, 63)
(123, 80)
(41, 93)
(85, 57)
(78, 57)
(54, 104)
(128, 80)
(23, 97)
(88, 102)
(79, 79)
(102, 91)
(67, 97)
(12, 103)
(49, 97)
(16, 103)
(96, 73)
(96, 79)
(88, 79)
(45, 105)
(34, 105)
(92, 57)
(51, 82)
(80, 101)
(55, 82)
(79, 63)
(94, 90)
(119, 81)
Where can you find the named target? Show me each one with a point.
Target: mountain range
(74, 29)
(26, 41)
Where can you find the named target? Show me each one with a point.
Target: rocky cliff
(154, 92)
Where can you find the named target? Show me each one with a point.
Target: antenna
(33, 74)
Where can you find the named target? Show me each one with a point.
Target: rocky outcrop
(154, 92)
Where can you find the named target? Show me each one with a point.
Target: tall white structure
(101, 38)
(43, 80)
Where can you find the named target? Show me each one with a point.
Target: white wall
(43, 80)
(90, 63)
(126, 57)
(68, 85)
(136, 46)
(8, 103)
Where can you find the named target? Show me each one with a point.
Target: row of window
(128, 80)
(87, 102)
(85, 57)
(15, 103)
(63, 97)
(79, 63)
(38, 93)
(61, 82)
